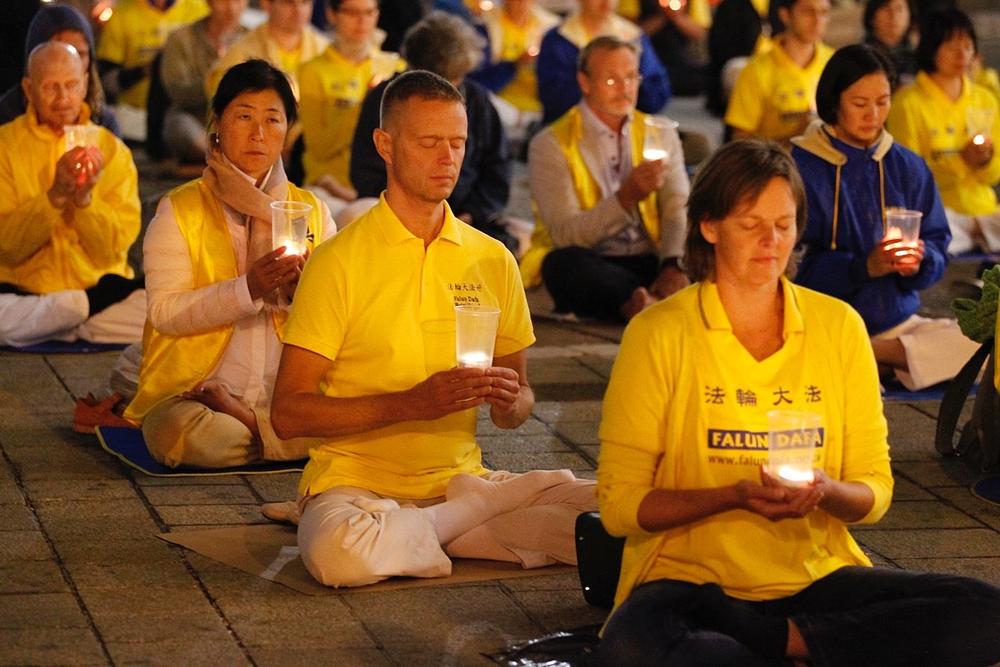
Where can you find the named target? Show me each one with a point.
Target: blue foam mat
(973, 256)
(62, 347)
(129, 446)
(897, 393)
(988, 489)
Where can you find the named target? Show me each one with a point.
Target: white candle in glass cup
(656, 137)
(904, 225)
(791, 445)
(979, 124)
(290, 225)
(475, 335)
(80, 135)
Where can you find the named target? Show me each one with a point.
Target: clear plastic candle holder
(80, 135)
(979, 124)
(475, 335)
(656, 137)
(903, 225)
(791, 445)
(289, 225)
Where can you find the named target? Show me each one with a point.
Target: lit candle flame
(474, 359)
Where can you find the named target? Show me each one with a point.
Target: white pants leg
(119, 323)
(936, 349)
(969, 232)
(352, 537)
(27, 320)
(125, 373)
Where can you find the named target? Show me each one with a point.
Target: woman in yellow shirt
(724, 562)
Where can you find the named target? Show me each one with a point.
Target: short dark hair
(444, 44)
(334, 5)
(416, 83)
(846, 66)
(253, 76)
(602, 43)
(872, 6)
(734, 176)
(938, 27)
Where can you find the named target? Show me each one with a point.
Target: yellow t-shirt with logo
(333, 88)
(135, 33)
(381, 307)
(926, 121)
(686, 408)
(773, 94)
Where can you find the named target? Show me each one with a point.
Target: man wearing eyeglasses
(610, 223)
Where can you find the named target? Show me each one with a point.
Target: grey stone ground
(84, 580)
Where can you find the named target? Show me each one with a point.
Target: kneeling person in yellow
(725, 563)
(67, 214)
(368, 366)
(218, 292)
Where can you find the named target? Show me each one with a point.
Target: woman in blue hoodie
(854, 173)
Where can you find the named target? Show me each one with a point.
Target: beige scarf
(233, 188)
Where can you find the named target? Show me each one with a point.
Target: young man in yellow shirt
(334, 84)
(775, 95)
(368, 365)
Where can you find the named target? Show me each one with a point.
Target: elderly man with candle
(397, 483)
(610, 222)
(68, 214)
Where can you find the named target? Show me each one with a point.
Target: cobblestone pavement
(84, 580)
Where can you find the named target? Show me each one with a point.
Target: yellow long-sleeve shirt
(686, 408)
(926, 121)
(44, 249)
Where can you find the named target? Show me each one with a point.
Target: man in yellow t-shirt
(369, 365)
(131, 39)
(775, 95)
(334, 84)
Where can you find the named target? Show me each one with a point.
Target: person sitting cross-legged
(68, 215)
(219, 292)
(728, 561)
(855, 174)
(396, 484)
(610, 223)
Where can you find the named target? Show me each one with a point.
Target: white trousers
(350, 536)
(936, 349)
(28, 320)
(969, 232)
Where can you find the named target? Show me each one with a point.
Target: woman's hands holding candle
(892, 256)
(273, 271)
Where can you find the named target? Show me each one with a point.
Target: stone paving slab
(85, 580)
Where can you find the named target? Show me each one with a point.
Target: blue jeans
(854, 616)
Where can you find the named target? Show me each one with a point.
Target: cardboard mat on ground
(270, 551)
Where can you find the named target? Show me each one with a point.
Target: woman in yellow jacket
(218, 293)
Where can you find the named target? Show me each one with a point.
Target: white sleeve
(175, 307)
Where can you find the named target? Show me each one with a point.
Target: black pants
(588, 284)
(854, 616)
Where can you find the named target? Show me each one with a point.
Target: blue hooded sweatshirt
(847, 192)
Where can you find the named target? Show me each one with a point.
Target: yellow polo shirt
(381, 307)
(926, 121)
(333, 88)
(686, 408)
(135, 33)
(772, 93)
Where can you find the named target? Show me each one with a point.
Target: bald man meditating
(67, 215)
